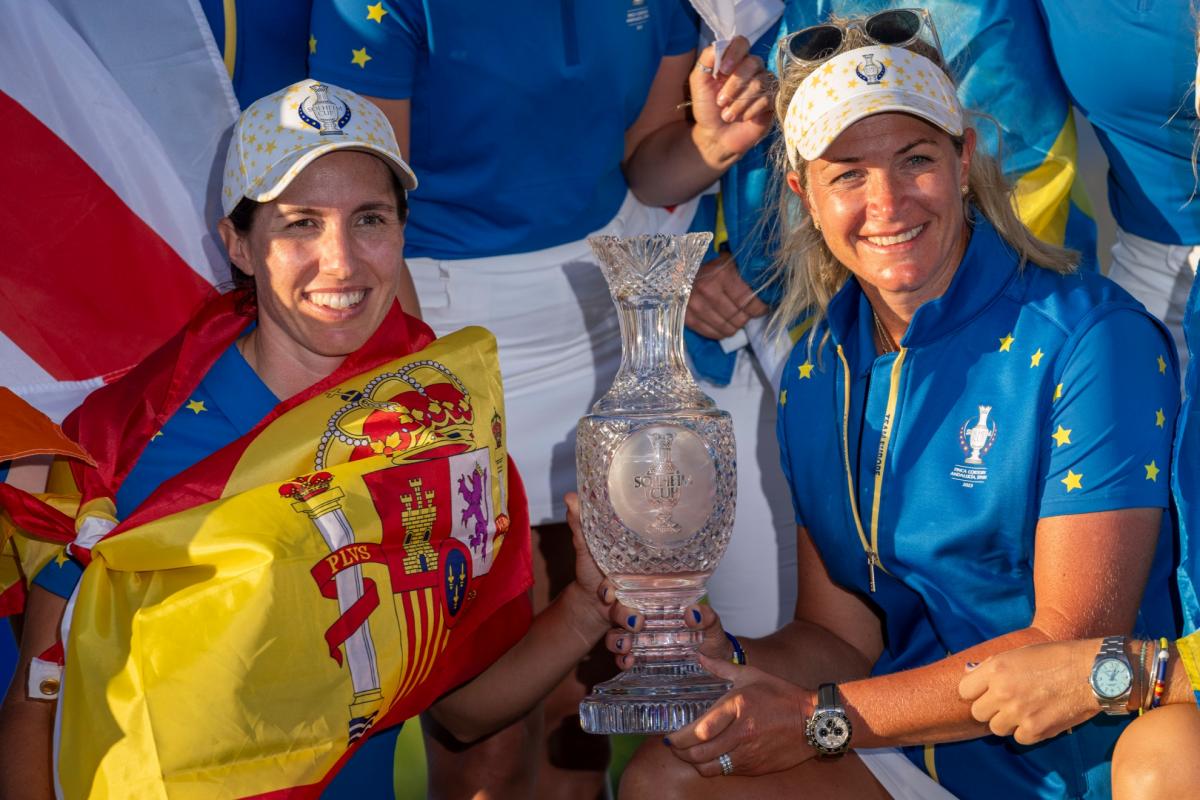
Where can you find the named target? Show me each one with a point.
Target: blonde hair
(807, 271)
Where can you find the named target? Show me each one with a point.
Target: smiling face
(887, 197)
(325, 257)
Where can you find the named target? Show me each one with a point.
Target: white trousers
(1160, 276)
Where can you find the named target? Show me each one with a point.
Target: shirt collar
(238, 391)
(986, 268)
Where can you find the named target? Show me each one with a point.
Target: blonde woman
(969, 470)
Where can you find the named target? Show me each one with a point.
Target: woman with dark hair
(301, 525)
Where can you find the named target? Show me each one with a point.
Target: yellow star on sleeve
(1062, 436)
(1159, 418)
(806, 370)
(196, 406)
(783, 398)
(1036, 358)
(312, 45)
(375, 13)
(1057, 393)
(1073, 480)
(1162, 366)
(1152, 471)
(61, 557)
(1006, 343)
(360, 58)
(157, 434)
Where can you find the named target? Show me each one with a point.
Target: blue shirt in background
(1129, 67)
(519, 109)
(267, 43)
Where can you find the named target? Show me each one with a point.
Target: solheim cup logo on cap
(327, 114)
(869, 70)
(975, 436)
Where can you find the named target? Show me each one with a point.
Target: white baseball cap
(865, 81)
(282, 133)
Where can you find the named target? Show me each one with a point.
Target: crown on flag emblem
(419, 409)
(306, 487)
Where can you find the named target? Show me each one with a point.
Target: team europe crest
(975, 436)
(435, 504)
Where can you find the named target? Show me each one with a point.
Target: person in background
(534, 126)
(1000, 486)
(1128, 68)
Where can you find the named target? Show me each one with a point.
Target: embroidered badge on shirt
(975, 436)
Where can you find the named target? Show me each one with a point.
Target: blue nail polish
(632, 621)
(696, 614)
(666, 741)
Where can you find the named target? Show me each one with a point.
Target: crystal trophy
(657, 483)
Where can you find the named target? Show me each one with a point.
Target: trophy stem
(666, 689)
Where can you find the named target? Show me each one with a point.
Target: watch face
(1111, 678)
(831, 730)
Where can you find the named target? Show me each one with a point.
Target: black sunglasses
(896, 27)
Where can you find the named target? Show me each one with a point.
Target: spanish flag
(363, 551)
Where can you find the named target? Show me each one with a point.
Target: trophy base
(651, 698)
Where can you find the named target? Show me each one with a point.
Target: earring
(816, 224)
(964, 190)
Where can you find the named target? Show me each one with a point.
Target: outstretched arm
(556, 641)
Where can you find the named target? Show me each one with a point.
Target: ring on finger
(726, 764)
(704, 69)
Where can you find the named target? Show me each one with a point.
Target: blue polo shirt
(265, 41)
(227, 404)
(1129, 67)
(519, 109)
(1017, 395)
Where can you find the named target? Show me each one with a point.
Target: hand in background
(721, 302)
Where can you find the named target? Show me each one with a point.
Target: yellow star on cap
(806, 370)
(1057, 393)
(1062, 436)
(1035, 359)
(1159, 418)
(1152, 471)
(1006, 343)
(1162, 366)
(783, 398)
(196, 406)
(375, 13)
(1073, 480)
(312, 45)
(156, 435)
(360, 58)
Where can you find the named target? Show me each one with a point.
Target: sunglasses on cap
(896, 27)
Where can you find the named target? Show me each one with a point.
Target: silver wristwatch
(828, 729)
(1112, 676)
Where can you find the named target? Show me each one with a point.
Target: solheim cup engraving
(657, 484)
(653, 470)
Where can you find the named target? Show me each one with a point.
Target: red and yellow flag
(335, 570)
